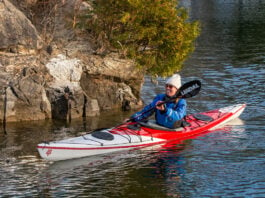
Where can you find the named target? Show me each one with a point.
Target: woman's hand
(160, 105)
(127, 120)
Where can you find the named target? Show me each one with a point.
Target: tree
(155, 33)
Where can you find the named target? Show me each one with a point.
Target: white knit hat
(175, 80)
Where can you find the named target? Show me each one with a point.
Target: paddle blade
(189, 89)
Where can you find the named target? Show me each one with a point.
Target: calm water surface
(230, 162)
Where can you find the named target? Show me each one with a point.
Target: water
(230, 162)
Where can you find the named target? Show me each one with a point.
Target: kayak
(136, 135)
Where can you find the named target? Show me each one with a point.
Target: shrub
(155, 33)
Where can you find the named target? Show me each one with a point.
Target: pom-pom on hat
(175, 80)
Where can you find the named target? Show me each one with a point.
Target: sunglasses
(169, 86)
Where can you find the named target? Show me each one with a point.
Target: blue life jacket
(168, 118)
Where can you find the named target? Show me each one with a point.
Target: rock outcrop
(17, 33)
(52, 71)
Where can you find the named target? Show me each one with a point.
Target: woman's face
(170, 90)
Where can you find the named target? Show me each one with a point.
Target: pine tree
(155, 33)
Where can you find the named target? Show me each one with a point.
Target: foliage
(155, 33)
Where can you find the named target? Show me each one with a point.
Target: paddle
(187, 90)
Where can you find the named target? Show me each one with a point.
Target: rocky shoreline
(58, 73)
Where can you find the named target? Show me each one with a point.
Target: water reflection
(100, 176)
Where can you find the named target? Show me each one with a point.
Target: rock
(112, 81)
(25, 98)
(65, 71)
(63, 79)
(90, 88)
(17, 33)
(64, 92)
(92, 108)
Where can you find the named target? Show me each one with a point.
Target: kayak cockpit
(153, 125)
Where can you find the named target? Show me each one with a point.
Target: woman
(168, 114)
